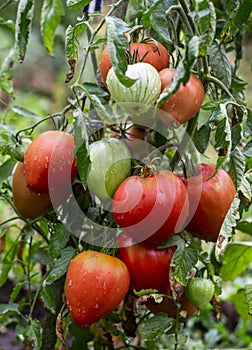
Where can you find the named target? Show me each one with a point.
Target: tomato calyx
(147, 170)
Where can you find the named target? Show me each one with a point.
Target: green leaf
(58, 241)
(9, 309)
(6, 72)
(245, 187)
(25, 113)
(71, 40)
(117, 44)
(34, 332)
(201, 137)
(245, 227)
(159, 20)
(147, 13)
(48, 298)
(154, 327)
(239, 300)
(77, 4)
(51, 13)
(6, 169)
(81, 145)
(247, 150)
(183, 70)
(23, 26)
(7, 24)
(236, 259)
(16, 291)
(237, 166)
(205, 18)
(61, 264)
(184, 258)
(220, 65)
(248, 297)
(226, 230)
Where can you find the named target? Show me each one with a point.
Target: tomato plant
(96, 283)
(29, 204)
(184, 103)
(149, 267)
(110, 165)
(148, 50)
(151, 208)
(49, 162)
(217, 192)
(195, 64)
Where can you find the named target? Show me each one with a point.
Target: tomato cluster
(149, 66)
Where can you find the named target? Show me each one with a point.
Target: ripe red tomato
(96, 283)
(29, 204)
(216, 196)
(186, 308)
(149, 267)
(49, 162)
(151, 208)
(185, 103)
(151, 52)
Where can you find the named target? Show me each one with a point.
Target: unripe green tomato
(110, 165)
(199, 291)
(144, 91)
(19, 149)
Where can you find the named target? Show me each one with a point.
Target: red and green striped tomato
(110, 165)
(145, 90)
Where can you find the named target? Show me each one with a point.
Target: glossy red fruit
(151, 52)
(96, 283)
(49, 162)
(29, 204)
(151, 208)
(168, 305)
(185, 103)
(149, 267)
(216, 195)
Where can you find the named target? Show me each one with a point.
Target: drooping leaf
(183, 70)
(34, 332)
(51, 13)
(48, 298)
(219, 63)
(154, 327)
(10, 308)
(226, 230)
(159, 20)
(117, 44)
(239, 300)
(81, 145)
(248, 297)
(6, 72)
(245, 226)
(6, 169)
(25, 112)
(23, 26)
(247, 150)
(77, 4)
(245, 187)
(61, 264)
(201, 137)
(237, 166)
(58, 241)
(205, 19)
(236, 259)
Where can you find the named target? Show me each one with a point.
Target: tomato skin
(49, 162)
(185, 103)
(199, 291)
(186, 310)
(110, 165)
(154, 53)
(96, 283)
(29, 204)
(153, 208)
(149, 267)
(217, 194)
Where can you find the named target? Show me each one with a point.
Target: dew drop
(36, 158)
(70, 283)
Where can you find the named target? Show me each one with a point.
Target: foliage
(204, 37)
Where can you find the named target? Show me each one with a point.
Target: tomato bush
(64, 282)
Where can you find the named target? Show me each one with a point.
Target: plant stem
(216, 81)
(92, 36)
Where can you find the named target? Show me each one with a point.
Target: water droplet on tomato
(70, 283)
